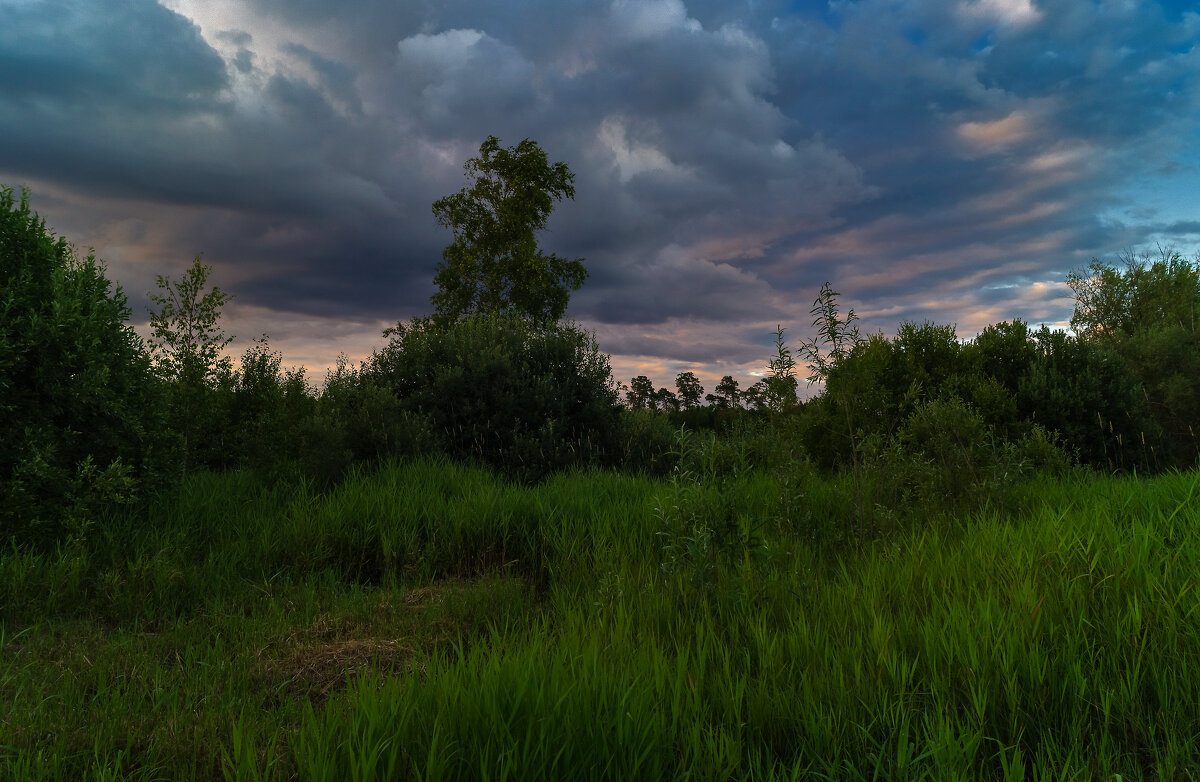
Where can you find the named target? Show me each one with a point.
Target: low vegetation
(433, 621)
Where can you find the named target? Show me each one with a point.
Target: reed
(430, 621)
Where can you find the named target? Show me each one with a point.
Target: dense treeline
(1121, 393)
(92, 415)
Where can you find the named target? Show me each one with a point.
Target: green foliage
(781, 383)
(1167, 362)
(267, 411)
(81, 415)
(1082, 390)
(927, 355)
(1004, 351)
(863, 396)
(187, 344)
(1111, 304)
(359, 419)
(494, 264)
(432, 620)
(526, 397)
(1014, 380)
(993, 366)
(1149, 314)
(837, 335)
(945, 459)
(641, 442)
(711, 551)
(186, 339)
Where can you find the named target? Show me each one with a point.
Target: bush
(82, 418)
(266, 409)
(527, 398)
(946, 457)
(355, 420)
(1089, 396)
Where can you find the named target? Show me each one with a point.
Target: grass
(429, 621)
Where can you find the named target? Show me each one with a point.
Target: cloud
(452, 80)
(1009, 12)
(82, 58)
(676, 283)
(996, 134)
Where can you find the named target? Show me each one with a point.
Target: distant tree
(690, 390)
(726, 395)
(80, 409)
(755, 397)
(728, 392)
(666, 400)
(494, 265)
(641, 394)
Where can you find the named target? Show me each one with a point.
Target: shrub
(355, 420)
(946, 457)
(1086, 393)
(527, 398)
(266, 409)
(82, 420)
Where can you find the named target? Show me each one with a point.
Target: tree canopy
(494, 264)
(80, 423)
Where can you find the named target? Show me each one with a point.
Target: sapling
(838, 336)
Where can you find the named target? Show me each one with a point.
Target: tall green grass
(429, 621)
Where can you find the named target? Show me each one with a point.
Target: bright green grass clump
(429, 621)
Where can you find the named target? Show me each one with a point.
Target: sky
(940, 160)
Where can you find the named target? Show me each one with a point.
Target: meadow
(429, 620)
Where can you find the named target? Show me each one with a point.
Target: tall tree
(641, 394)
(690, 390)
(666, 400)
(494, 264)
(756, 396)
(1148, 294)
(728, 392)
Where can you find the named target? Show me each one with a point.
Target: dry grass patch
(391, 635)
(317, 670)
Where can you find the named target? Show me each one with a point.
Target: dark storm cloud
(128, 56)
(933, 159)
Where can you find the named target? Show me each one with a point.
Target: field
(427, 620)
